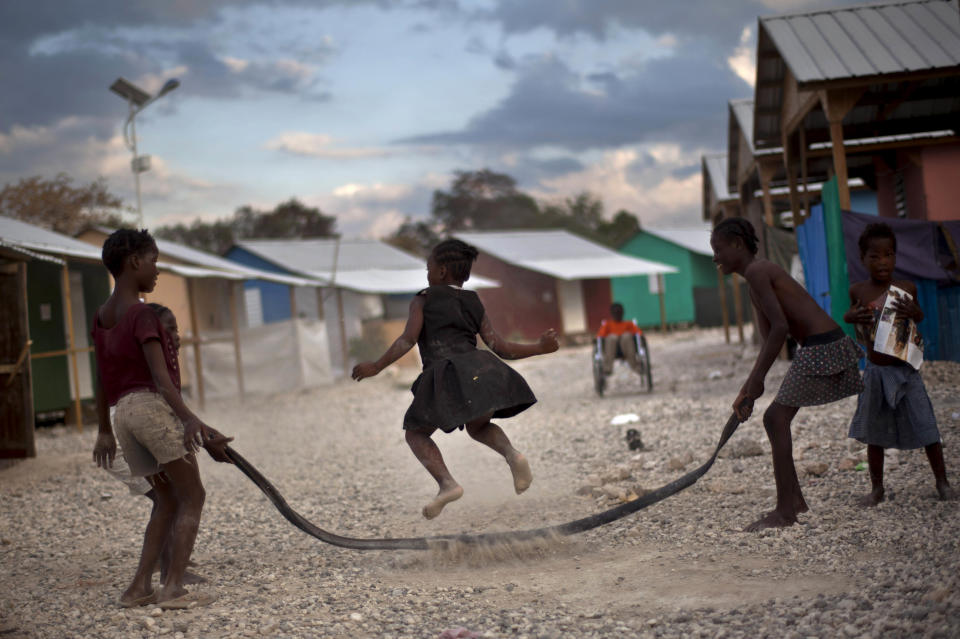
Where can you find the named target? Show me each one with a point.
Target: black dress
(459, 383)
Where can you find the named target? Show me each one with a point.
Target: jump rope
(484, 539)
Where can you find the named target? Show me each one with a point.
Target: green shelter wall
(634, 292)
(46, 317)
(51, 382)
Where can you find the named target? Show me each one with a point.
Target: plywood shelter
(873, 89)
(364, 306)
(550, 279)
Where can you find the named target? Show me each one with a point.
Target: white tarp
(277, 357)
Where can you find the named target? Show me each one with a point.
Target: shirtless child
(824, 369)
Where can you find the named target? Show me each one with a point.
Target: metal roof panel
(919, 26)
(560, 254)
(893, 40)
(826, 59)
(847, 48)
(904, 20)
(792, 50)
(868, 42)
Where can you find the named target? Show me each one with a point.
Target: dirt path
(69, 534)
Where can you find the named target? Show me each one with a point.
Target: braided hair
(738, 227)
(457, 256)
(159, 309)
(876, 230)
(123, 243)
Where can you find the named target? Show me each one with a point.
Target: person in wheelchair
(619, 336)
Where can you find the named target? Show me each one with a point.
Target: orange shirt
(610, 327)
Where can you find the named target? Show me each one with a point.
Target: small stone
(816, 469)
(937, 594)
(847, 464)
(681, 462)
(156, 612)
(149, 622)
(741, 448)
(356, 616)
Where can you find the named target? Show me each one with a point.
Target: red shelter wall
(941, 181)
(931, 187)
(525, 304)
(597, 297)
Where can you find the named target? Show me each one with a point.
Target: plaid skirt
(825, 369)
(894, 410)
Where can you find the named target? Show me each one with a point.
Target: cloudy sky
(364, 108)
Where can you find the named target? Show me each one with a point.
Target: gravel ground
(70, 535)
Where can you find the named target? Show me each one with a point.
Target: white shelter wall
(277, 357)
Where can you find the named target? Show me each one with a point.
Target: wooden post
(71, 345)
(737, 305)
(343, 333)
(790, 165)
(724, 313)
(663, 306)
(766, 176)
(836, 104)
(197, 356)
(235, 320)
(293, 302)
(803, 175)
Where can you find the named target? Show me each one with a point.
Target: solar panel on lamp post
(137, 100)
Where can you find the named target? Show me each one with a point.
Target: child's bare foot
(946, 491)
(520, 468)
(134, 597)
(773, 519)
(444, 497)
(168, 593)
(871, 499)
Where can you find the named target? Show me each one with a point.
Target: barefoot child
(105, 449)
(823, 370)
(461, 386)
(158, 433)
(893, 411)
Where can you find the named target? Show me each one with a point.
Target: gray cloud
(63, 58)
(704, 20)
(663, 99)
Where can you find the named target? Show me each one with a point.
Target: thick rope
(486, 539)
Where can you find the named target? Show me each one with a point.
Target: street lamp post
(138, 99)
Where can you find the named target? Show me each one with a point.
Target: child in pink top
(157, 432)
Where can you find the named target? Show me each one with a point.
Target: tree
(290, 219)
(483, 200)
(58, 205)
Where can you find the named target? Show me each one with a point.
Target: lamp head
(168, 86)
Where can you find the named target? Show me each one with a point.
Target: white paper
(898, 337)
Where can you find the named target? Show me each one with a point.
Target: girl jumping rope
(461, 386)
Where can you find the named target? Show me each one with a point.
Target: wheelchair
(643, 357)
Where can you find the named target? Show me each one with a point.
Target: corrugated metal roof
(12, 251)
(716, 167)
(210, 261)
(560, 254)
(367, 266)
(39, 239)
(743, 112)
(692, 239)
(215, 264)
(869, 40)
(34, 238)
